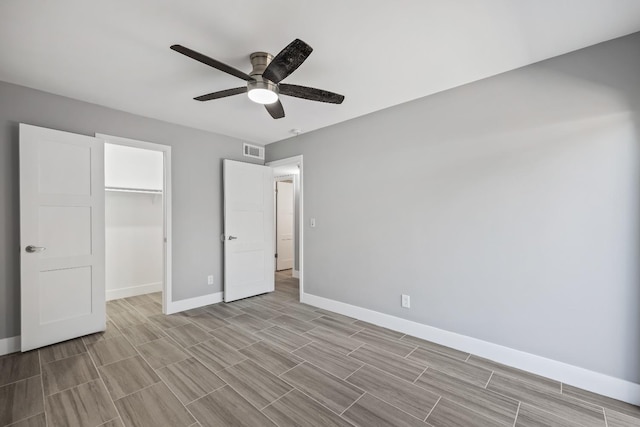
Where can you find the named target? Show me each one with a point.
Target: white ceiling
(377, 53)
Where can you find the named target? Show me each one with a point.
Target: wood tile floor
(270, 360)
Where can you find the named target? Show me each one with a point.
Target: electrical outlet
(210, 280)
(406, 301)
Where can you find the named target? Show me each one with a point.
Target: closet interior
(134, 221)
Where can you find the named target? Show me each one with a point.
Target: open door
(62, 293)
(248, 230)
(284, 225)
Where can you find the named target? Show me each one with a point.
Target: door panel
(63, 294)
(64, 169)
(248, 225)
(284, 225)
(62, 213)
(65, 231)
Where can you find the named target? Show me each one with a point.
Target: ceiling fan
(263, 82)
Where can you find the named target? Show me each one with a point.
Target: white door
(248, 230)
(284, 225)
(61, 236)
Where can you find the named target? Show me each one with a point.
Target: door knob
(232, 237)
(33, 249)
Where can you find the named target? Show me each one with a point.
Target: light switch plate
(406, 301)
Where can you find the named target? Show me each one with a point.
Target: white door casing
(248, 230)
(284, 225)
(62, 211)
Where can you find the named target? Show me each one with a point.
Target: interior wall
(132, 167)
(134, 221)
(134, 244)
(506, 208)
(196, 184)
(296, 218)
(290, 180)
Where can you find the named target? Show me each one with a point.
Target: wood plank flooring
(271, 361)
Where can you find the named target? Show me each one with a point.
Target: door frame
(296, 160)
(166, 208)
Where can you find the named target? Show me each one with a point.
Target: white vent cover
(254, 151)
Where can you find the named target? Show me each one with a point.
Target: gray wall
(196, 183)
(507, 209)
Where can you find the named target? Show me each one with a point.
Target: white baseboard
(9, 345)
(188, 304)
(295, 273)
(133, 291)
(573, 375)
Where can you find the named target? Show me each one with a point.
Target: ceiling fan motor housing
(260, 83)
(260, 61)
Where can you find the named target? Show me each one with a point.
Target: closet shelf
(133, 190)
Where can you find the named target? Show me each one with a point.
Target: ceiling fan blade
(276, 110)
(310, 93)
(221, 94)
(287, 61)
(211, 62)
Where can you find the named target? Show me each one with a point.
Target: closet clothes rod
(133, 190)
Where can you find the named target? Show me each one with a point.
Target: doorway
(290, 170)
(137, 220)
(285, 222)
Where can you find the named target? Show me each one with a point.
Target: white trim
(119, 140)
(295, 273)
(297, 160)
(188, 304)
(9, 345)
(132, 291)
(596, 382)
(166, 206)
(284, 177)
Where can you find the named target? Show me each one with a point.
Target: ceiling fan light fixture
(262, 91)
(263, 96)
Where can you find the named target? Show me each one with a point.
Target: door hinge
(276, 255)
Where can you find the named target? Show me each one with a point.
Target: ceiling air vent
(253, 151)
